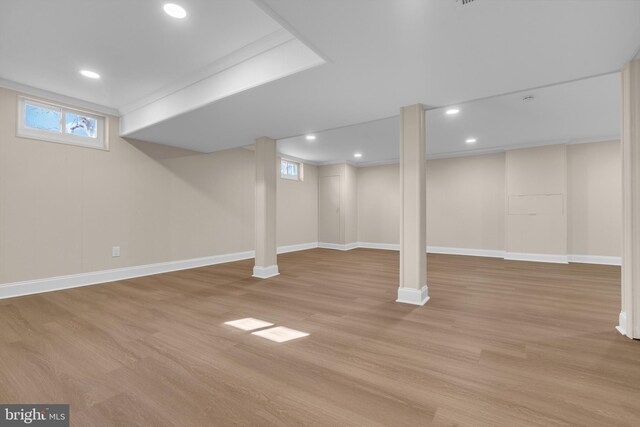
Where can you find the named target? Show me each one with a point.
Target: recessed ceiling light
(90, 74)
(357, 155)
(310, 137)
(452, 111)
(528, 98)
(470, 140)
(175, 11)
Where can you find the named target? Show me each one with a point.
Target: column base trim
(413, 296)
(265, 272)
(622, 323)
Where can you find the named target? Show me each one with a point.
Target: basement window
(55, 123)
(290, 170)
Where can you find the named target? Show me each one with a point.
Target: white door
(329, 209)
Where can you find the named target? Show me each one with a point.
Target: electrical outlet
(115, 251)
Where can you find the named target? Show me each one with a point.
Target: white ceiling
(385, 54)
(132, 44)
(582, 111)
(380, 55)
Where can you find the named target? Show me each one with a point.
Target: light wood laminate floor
(499, 343)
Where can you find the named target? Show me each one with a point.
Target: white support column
(630, 315)
(266, 174)
(413, 220)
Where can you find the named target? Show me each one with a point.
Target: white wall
(467, 203)
(297, 208)
(536, 182)
(62, 207)
(348, 201)
(351, 204)
(595, 199)
(379, 204)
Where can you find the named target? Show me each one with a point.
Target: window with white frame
(50, 122)
(290, 170)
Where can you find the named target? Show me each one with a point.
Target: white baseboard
(338, 246)
(350, 246)
(335, 246)
(383, 246)
(492, 253)
(465, 251)
(596, 259)
(265, 272)
(518, 256)
(622, 323)
(413, 296)
(28, 287)
(296, 248)
(16, 289)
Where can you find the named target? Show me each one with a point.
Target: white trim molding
(518, 256)
(277, 57)
(16, 289)
(622, 323)
(99, 141)
(265, 272)
(350, 246)
(596, 259)
(413, 296)
(383, 246)
(28, 287)
(49, 284)
(298, 247)
(494, 253)
(338, 246)
(53, 96)
(465, 251)
(254, 48)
